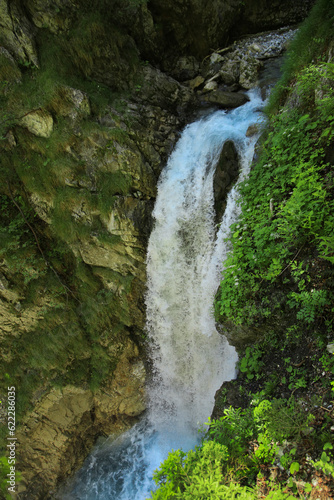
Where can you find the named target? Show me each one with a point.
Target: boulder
(249, 70)
(224, 99)
(163, 91)
(230, 70)
(330, 348)
(253, 129)
(38, 122)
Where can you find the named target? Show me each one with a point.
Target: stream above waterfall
(190, 359)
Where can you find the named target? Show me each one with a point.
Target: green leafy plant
(325, 463)
(267, 245)
(251, 363)
(294, 467)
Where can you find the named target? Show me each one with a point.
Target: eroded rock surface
(59, 432)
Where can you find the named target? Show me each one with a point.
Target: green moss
(110, 185)
(84, 42)
(68, 221)
(9, 73)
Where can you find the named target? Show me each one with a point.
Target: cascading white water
(190, 359)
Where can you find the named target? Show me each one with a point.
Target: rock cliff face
(89, 119)
(63, 426)
(218, 23)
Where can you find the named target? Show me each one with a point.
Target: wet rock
(224, 99)
(252, 130)
(226, 173)
(125, 395)
(270, 74)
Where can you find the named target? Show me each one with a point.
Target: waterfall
(190, 359)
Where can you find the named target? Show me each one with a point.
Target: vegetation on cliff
(272, 430)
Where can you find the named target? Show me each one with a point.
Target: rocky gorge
(93, 100)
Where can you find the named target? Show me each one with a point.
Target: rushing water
(190, 359)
